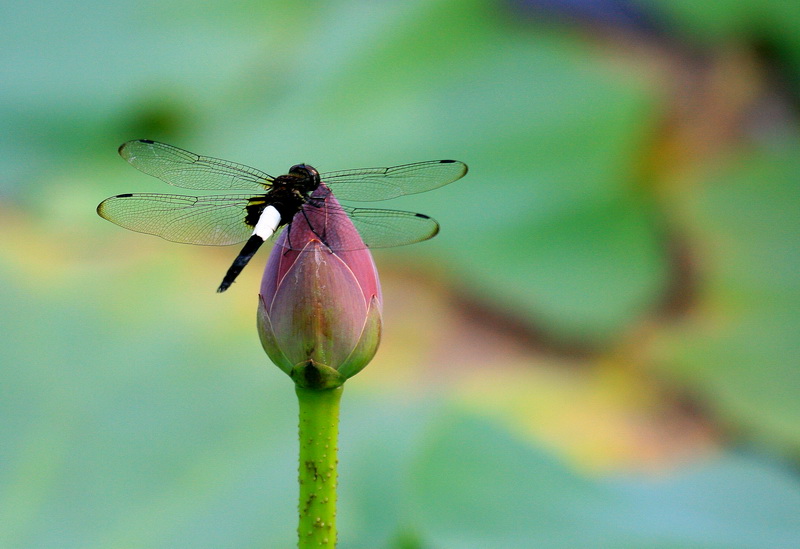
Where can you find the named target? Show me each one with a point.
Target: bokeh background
(600, 349)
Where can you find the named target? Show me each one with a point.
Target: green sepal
(367, 343)
(310, 375)
(268, 341)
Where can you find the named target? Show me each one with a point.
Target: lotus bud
(319, 311)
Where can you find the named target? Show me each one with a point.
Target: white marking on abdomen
(267, 223)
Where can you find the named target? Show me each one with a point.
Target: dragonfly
(258, 206)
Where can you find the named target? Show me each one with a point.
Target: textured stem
(319, 428)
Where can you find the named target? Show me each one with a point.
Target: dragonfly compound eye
(303, 170)
(306, 173)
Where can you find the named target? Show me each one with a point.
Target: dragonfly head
(308, 175)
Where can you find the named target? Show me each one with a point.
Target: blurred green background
(600, 349)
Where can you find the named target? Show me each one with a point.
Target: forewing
(368, 184)
(209, 220)
(191, 171)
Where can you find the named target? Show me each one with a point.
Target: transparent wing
(368, 184)
(191, 171)
(388, 228)
(210, 220)
(374, 228)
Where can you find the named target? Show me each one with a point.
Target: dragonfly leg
(313, 230)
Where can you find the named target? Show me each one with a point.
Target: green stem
(319, 429)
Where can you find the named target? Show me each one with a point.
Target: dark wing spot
(148, 141)
(126, 195)
(423, 216)
(446, 161)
